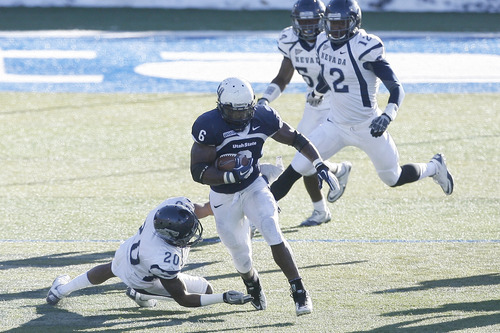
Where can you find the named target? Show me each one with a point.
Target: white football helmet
(236, 102)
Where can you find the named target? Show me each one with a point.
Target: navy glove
(240, 171)
(379, 125)
(324, 174)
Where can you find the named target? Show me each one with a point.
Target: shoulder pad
(367, 47)
(286, 39)
(180, 201)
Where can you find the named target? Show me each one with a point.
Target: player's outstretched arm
(177, 290)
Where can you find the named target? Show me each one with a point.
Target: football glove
(241, 172)
(379, 125)
(263, 101)
(314, 98)
(235, 297)
(324, 174)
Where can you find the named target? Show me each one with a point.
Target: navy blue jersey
(210, 129)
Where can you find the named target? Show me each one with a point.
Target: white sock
(320, 205)
(428, 169)
(80, 282)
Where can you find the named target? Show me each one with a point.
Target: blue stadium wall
(483, 6)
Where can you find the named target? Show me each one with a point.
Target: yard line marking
(216, 240)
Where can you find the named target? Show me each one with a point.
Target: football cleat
(255, 290)
(342, 176)
(303, 302)
(317, 218)
(54, 296)
(136, 297)
(443, 177)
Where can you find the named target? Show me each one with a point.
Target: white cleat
(443, 177)
(54, 296)
(317, 218)
(342, 175)
(136, 297)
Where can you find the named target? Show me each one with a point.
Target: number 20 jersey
(354, 87)
(148, 256)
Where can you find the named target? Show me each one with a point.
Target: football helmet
(236, 102)
(177, 225)
(342, 20)
(306, 18)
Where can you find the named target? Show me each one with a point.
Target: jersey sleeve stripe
(379, 45)
(363, 86)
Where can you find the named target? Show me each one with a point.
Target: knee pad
(409, 174)
(284, 183)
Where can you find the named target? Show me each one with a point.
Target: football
(227, 162)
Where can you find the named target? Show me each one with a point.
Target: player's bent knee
(390, 178)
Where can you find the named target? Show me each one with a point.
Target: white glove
(314, 98)
(235, 297)
(263, 101)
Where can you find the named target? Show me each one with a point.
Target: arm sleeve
(384, 72)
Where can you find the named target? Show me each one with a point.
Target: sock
(296, 284)
(428, 169)
(80, 282)
(320, 205)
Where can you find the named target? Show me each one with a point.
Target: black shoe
(303, 303)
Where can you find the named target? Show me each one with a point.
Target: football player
(297, 44)
(150, 262)
(240, 127)
(353, 64)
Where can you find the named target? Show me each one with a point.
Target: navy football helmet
(236, 102)
(306, 18)
(177, 225)
(342, 20)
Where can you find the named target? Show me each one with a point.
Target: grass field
(81, 171)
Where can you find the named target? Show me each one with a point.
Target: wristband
(317, 162)
(391, 110)
(316, 94)
(229, 177)
(272, 92)
(207, 299)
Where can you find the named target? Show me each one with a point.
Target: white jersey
(305, 61)
(149, 257)
(354, 88)
(302, 54)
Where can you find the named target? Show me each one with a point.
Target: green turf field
(80, 172)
